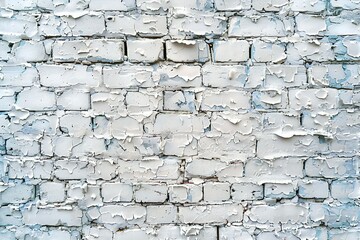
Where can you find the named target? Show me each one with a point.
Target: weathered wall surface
(179, 119)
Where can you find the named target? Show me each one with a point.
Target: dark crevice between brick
(165, 53)
(125, 49)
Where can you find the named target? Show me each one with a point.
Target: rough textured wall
(179, 119)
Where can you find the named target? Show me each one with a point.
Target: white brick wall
(179, 119)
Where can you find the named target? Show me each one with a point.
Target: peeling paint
(179, 120)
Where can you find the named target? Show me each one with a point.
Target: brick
(184, 232)
(318, 232)
(120, 24)
(143, 25)
(196, 167)
(345, 215)
(211, 214)
(224, 76)
(268, 52)
(16, 194)
(320, 51)
(185, 193)
(74, 100)
(116, 192)
(99, 170)
(108, 104)
(2, 146)
(117, 5)
(262, 214)
(7, 99)
(310, 24)
(148, 146)
(228, 146)
(161, 214)
(10, 216)
(180, 145)
(131, 234)
(51, 192)
(337, 234)
(182, 123)
(335, 75)
(271, 235)
(275, 121)
(127, 76)
(150, 193)
(178, 76)
(276, 76)
(208, 168)
(7, 235)
(346, 49)
(271, 99)
(121, 215)
(145, 50)
(4, 124)
(344, 190)
(342, 126)
(274, 169)
(345, 4)
(75, 125)
(197, 24)
(166, 169)
(17, 75)
(99, 233)
(68, 75)
(4, 50)
(234, 232)
(179, 101)
(232, 5)
(122, 127)
(216, 192)
(316, 100)
(153, 26)
(30, 51)
(160, 5)
(187, 51)
(65, 146)
(231, 51)
(45, 100)
(36, 123)
(331, 168)
(232, 123)
(214, 100)
(316, 6)
(49, 24)
(269, 5)
(53, 216)
(264, 26)
(19, 5)
(87, 25)
(18, 27)
(279, 191)
(246, 191)
(22, 147)
(313, 189)
(88, 198)
(285, 147)
(97, 50)
(341, 25)
(29, 168)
